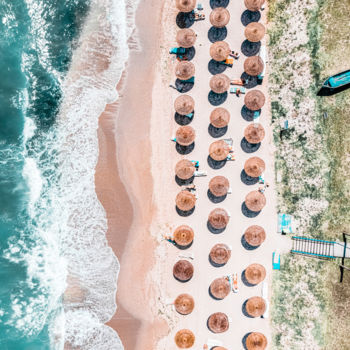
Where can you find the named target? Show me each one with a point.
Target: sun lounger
(168, 301)
(256, 116)
(188, 255)
(200, 7)
(231, 156)
(189, 115)
(266, 313)
(228, 62)
(233, 90)
(191, 80)
(229, 141)
(264, 290)
(213, 342)
(198, 16)
(200, 173)
(229, 191)
(237, 82)
(177, 51)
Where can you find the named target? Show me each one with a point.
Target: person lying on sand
(195, 164)
(234, 54)
(169, 239)
(190, 188)
(263, 188)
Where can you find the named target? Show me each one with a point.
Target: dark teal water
(36, 43)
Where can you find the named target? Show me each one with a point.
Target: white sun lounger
(187, 256)
(229, 141)
(229, 190)
(200, 173)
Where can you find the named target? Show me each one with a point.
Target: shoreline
(123, 135)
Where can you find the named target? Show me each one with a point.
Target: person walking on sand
(205, 347)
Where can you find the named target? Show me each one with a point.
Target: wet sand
(124, 186)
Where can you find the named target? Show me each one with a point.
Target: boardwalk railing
(316, 248)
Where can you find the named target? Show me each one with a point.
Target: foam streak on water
(96, 68)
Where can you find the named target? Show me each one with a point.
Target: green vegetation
(309, 41)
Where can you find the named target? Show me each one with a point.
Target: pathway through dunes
(225, 217)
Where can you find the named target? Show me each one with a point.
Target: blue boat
(337, 81)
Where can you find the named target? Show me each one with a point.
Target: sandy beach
(139, 196)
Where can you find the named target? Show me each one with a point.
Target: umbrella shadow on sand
(190, 53)
(250, 81)
(183, 119)
(249, 48)
(244, 341)
(247, 114)
(184, 19)
(182, 182)
(217, 34)
(215, 298)
(216, 164)
(214, 230)
(244, 280)
(184, 213)
(215, 67)
(248, 180)
(246, 245)
(249, 213)
(244, 310)
(183, 86)
(215, 199)
(214, 264)
(217, 132)
(217, 99)
(250, 16)
(184, 149)
(219, 3)
(249, 147)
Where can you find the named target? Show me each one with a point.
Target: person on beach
(205, 347)
(234, 54)
(169, 239)
(263, 188)
(231, 156)
(238, 92)
(195, 164)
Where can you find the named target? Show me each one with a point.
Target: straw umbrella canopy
(219, 17)
(254, 166)
(218, 322)
(220, 254)
(184, 304)
(254, 133)
(184, 104)
(184, 339)
(219, 83)
(219, 186)
(253, 65)
(219, 150)
(220, 288)
(185, 200)
(185, 135)
(184, 70)
(255, 235)
(255, 201)
(255, 306)
(185, 5)
(219, 51)
(255, 273)
(219, 117)
(254, 100)
(256, 341)
(183, 235)
(254, 32)
(218, 218)
(183, 270)
(186, 37)
(184, 169)
(253, 5)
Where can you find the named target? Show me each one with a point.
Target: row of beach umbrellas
(218, 218)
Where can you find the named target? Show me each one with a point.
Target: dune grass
(309, 41)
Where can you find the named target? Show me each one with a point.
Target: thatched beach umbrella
(183, 235)
(184, 169)
(185, 200)
(255, 273)
(219, 186)
(184, 339)
(255, 201)
(254, 100)
(219, 17)
(184, 104)
(219, 150)
(185, 5)
(254, 133)
(219, 51)
(220, 288)
(253, 65)
(256, 341)
(220, 254)
(219, 117)
(184, 70)
(255, 306)
(186, 37)
(183, 270)
(218, 218)
(254, 32)
(254, 166)
(253, 5)
(185, 135)
(255, 235)
(184, 304)
(218, 322)
(219, 83)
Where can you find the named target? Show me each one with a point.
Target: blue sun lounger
(285, 223)
(177, 51)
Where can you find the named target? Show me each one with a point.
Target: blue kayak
(338, 80)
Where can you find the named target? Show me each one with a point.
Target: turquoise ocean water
(52, 226)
